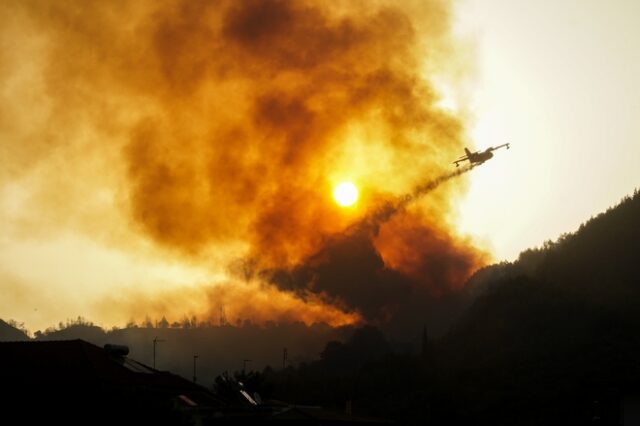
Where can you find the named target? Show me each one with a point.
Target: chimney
(116, 351)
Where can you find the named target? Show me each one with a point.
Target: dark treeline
(549, 339)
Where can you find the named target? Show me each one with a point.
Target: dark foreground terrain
(552, 338)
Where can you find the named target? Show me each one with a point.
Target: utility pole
(285, 355)
(155, 342)
(195, 357)
(244, 365)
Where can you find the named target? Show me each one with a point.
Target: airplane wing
(500, 146)
(460, 160)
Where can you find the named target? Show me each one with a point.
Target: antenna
(155, 342)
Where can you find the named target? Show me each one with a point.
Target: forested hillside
(553, 338)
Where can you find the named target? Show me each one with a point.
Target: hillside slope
(9, 333)
(556, 330)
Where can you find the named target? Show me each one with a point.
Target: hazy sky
(560, 80)
(86, 230)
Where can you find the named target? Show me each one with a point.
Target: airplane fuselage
(477, 158)
(481, 157)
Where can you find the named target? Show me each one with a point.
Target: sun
(345, 194)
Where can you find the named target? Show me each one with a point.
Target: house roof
(318, 414)
(77, 362)
(78, 378)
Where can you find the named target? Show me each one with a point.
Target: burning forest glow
(210, 133)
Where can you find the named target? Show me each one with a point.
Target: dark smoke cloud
(223, 126)
(416, 283)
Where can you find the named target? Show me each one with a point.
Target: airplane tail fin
(467, 152)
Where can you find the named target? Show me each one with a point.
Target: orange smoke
(240, 302)
(258, 101)
(227, 123)
(427, 254)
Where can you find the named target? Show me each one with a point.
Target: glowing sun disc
(345, 194)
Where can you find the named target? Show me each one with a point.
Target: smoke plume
(217, 129)
(414, 282)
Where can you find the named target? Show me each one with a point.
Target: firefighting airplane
(477, 158)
